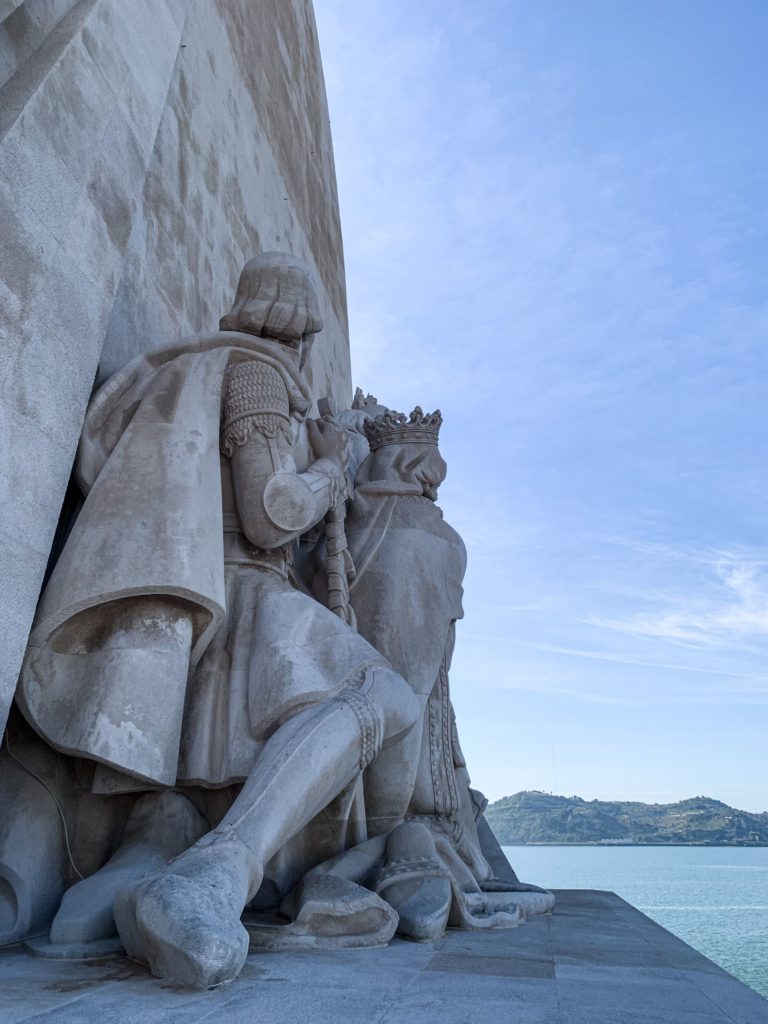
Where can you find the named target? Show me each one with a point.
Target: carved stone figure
(407, 596)
(171, 647)
(264, 732)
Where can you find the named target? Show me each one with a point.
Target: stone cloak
(409, 620)
(106, 669)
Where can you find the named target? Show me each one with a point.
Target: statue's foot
(160, 826)
(327, 912)
(480, 910)
(184, 921)
(415, 883)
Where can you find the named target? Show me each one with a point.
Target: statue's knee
(400, 705)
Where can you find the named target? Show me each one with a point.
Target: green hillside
(533, 817)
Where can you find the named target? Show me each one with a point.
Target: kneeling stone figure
(177, 654)
(430, 857)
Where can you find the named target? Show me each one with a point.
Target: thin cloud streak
(485, 641)
(555, 234)
(737, 607)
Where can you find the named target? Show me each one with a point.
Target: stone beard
(186, 668)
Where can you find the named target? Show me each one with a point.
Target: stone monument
(180, 664)
(229, 597)
(228, 653)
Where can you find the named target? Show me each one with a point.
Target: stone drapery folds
(289, 773)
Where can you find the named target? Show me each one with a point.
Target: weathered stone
(326, 912)
(160, 826)
(519, 975)
(138, 170)
(238, 673)
(172, 647)
(34, 866)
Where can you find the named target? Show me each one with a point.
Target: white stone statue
(172, 648)
(267, 732)
(424, 855)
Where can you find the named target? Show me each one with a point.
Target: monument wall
(147, 149)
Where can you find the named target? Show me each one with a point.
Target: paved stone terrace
(597, 960)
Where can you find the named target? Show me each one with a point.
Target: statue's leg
(390, 779)
(185, 920)
(160, 826)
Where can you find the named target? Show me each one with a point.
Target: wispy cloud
(732, 610)
(617, 658)
(558, 244)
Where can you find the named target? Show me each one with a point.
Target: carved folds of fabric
(440, 720)
(255, 398)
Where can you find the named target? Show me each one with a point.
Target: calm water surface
(714, 898)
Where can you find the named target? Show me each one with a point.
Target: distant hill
(533, 817)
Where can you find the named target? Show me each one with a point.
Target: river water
(714, 898)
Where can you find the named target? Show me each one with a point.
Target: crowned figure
(429, 853)
(173, 651)
(264, 732)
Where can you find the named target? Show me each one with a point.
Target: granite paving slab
(596, 960)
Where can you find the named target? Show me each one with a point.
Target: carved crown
(397, 428)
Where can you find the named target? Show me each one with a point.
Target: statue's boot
(480, 910)
(160, 826)
(184, 921)
(325, 912)
(491, 906)
(415, 883)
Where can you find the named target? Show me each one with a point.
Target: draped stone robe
(407, 596)
(165, 649)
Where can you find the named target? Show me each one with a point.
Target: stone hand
(329, 441)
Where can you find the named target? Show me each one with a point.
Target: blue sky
(555, 229)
